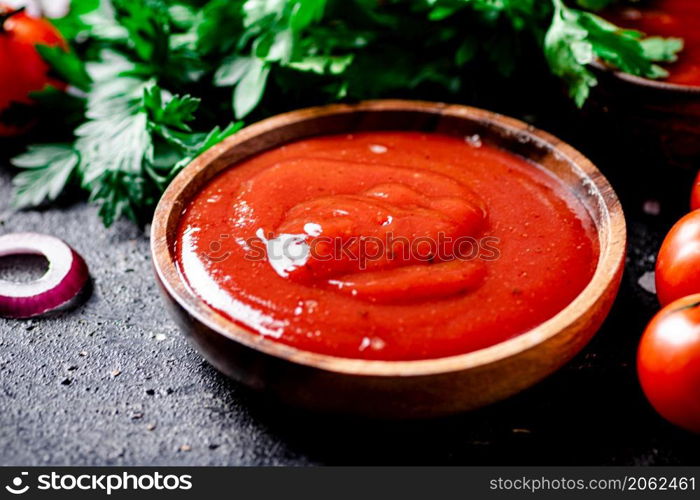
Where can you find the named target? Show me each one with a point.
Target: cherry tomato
(668, 362)
(695, 196)
(678, 263)
(22, 70)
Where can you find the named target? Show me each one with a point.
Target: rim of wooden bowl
(648, 83)
(612, 251)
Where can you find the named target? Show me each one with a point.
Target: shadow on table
(589, 413)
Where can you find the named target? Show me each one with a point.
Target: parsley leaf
(47, 171)
(250, 87)
(172, 111)
(575, 38)
(67, 65)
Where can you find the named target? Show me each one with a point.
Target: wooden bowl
(660, 120)
(394, 389)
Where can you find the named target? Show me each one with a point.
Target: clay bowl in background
(660, 121)
(394, 389)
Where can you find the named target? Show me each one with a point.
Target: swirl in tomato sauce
(349, 211)
(387, 245)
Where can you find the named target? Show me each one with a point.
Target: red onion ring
(66, 277)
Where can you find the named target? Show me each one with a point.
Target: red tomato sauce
(668, 18)
(387, 245)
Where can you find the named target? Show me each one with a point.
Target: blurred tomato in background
(22, 69)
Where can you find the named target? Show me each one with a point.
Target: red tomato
(668, 362)
(695, 196)
(678, 263)
(22, 70)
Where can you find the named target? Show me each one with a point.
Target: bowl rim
(648, 83)
(610, 260)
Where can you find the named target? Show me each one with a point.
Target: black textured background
(114, 383)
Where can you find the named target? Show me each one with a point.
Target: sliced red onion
(58, 288)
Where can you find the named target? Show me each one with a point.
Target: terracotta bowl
(394, 389)
(660, 120)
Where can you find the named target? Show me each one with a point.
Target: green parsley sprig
(156, 82)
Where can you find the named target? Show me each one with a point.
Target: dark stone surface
(114, 382)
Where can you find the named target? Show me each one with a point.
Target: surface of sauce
(387, 245)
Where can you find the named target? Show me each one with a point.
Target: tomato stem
(4, 16)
